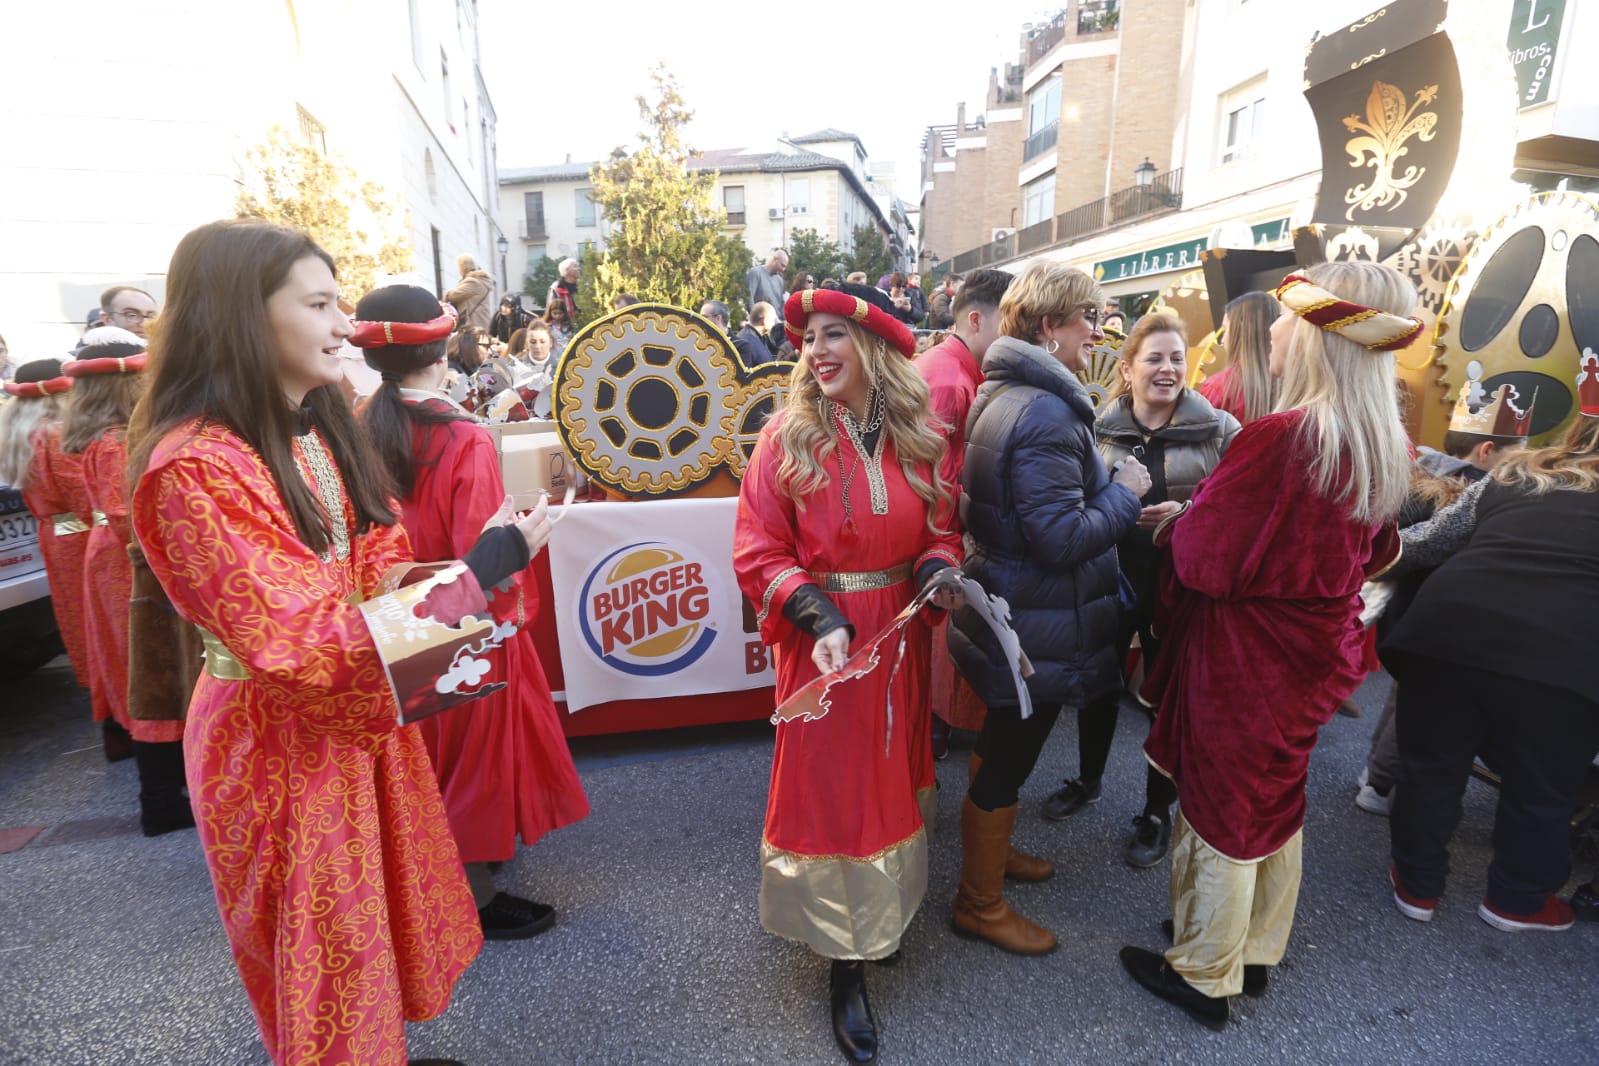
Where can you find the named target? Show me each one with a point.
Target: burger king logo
(645, 609)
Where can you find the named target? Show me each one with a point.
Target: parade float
(1416, 108)
(642, 624)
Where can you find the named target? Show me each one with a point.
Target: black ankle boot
(115, 741)
(163, 808)
(853, 1025)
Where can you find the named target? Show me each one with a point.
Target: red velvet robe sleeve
(223, 546)
(765, 550)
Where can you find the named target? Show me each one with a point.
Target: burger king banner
(646, 603)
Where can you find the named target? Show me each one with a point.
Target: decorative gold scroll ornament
(1388, 125)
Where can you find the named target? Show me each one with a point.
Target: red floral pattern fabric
(335, 873)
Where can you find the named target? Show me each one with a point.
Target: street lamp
(1144, 173)
(504, 246)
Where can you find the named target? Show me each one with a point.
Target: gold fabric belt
(100, 518)
(862, 580)
(67, 523)
(219, 661)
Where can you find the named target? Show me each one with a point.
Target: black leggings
(1009, 749)
(1096, 726)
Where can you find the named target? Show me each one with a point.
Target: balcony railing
(1102, 16)
(1040, 142)
(1045, 39)
(1038, 235)
(1163, 194)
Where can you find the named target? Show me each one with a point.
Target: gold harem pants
(1227, 914)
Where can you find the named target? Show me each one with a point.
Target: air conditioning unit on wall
(774, 212)
(1002, 233)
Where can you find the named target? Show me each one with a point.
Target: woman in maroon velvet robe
(1259, 608)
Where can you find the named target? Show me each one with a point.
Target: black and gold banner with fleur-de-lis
(1386, 95)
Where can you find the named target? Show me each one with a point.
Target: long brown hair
(1247, 328)
(214, 359)
(99, 402)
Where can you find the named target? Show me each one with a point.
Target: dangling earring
(1053, 346)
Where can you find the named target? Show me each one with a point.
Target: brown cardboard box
(533, 462)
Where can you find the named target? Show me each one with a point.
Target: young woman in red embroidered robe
(268, 523)
(108, 381)
(1260, 611)
(842, 517)
(52, 488)
(502, 762)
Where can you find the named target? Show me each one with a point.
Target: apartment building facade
(1241, 163)
(145, 131)
(821, 181)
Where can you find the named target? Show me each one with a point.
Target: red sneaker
(1413, 907)
(1553, 917)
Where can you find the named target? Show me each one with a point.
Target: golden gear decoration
(1430, 261)
(663, 364)
(1102, 373)
(1522, 307)
(761, 396)
(1189, 299)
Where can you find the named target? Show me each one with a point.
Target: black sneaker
(1150, 841)
(1069, 800)
(512, 918)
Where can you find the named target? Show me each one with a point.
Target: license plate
(16, 528)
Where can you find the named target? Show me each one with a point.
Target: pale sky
(563, 75)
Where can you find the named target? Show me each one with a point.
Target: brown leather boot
(980, 907)
(1019, 866)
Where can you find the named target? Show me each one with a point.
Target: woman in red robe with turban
(52, 488)
(842, 516)
(1260, 610)
(108, 376)
(503, 765)
(270, 527)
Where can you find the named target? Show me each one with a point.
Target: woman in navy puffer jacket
(1042, 518)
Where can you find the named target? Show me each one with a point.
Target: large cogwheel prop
(760, 396)
(1430, 261)
(1189, 299)
(1104, 369)
(646, 400)
(1523, 306)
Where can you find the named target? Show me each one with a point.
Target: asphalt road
(111, 951)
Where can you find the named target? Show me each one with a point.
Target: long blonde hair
(809, 438)
(1572, 465)
(1348, 397)
(19, 417)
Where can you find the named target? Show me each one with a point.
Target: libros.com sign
(646, 609)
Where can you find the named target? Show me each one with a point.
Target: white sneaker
(1371, 801)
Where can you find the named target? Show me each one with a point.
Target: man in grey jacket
(765, 283)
